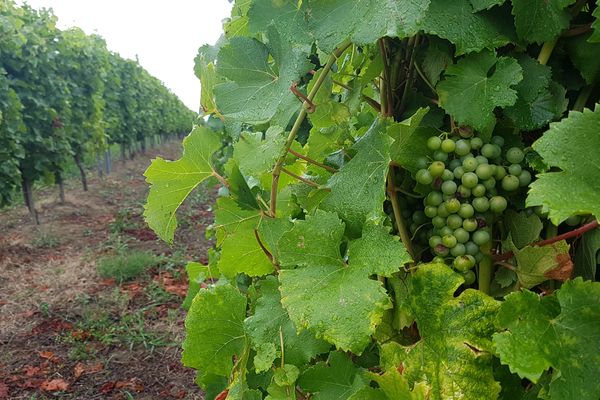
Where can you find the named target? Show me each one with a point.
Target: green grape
(479, 257)
(461, 235)
(476, 143)
(443, 211)
(469, 277)
(454, 222)
(424, 177)
(462, 147)
(510, 183)
(438, 260)
(447, 175)
(489, 183)
(452, 205)
(469, 180)
(413, 227)
(490, 151)
(438, 221)
(478, 190)
(481, 204)
(419, 217)
(441, 250)
(447, 197)
(448, 145)
(449, 187)
(422, 236)
(500, 172)
(470, 164)
(430, 211)
(449, 241)
(514, 155)
(470, 224)
(484, 171)
(445, 230)
(472, 248)
(524, 178)
(573, 220)
(454, 164)
(458, 250)
(515, 169)
(498, 204)
(434, 199)
(437, 168)
(464, 192)
(439, 155)
(481, 237)
(434, 143)
(434, 241)
(466, 211)
(464, 263)
(482, 160)
(422, 162)
(492, 192)
(497, 140)
(459, 172)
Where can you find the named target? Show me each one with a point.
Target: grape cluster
(466, 182)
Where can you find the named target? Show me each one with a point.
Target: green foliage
(413, 146)
(127, 265)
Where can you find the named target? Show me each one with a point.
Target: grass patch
(46, 240)
(125, 266)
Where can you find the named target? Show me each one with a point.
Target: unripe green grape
(469, 180)
(484, 171)
(454, 222)
(573, 220)
(479, 257)
(470, 224)
(464, 192)
(490, 151)
(406, 214)
(419, 217)
(461, 235)
(448, 145)
(443, 211)
(422, 162)
(470, 164)
(524, 178)
(458, 250)
(439, 155)
(481, 204)
(500, 172)
(476, 143)
(498, 204)
(497, 140)
(434, 199)
(438, 222)
(466, 211)
(478, 191)
(413, 227)
(489, 183)
(492, 192)
(438, 260)
(437, 168)
(424, 177)
(515, 169)
(430, 211)
(514, 155)
(482, 160)
(445, 230)
(447, 175)
(447, 197)
(480, 237)
(462, 147)
(510, 183)
(472, 248)
(463, 263)
(434, 241)
(441, 250)
(449, 187)
(449, 241)
(434, 143)
(453, 205)
(459, 172)
(469, 277)
(452, 165)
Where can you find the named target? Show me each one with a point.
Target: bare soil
(68, 333)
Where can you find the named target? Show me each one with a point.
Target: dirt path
(65, 331)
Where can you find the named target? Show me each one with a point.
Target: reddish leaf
(132, 384)
(54, 385)
(94, 368)
(3, 391)
(563, 271)
(107, 387)
(50, 356)
(222, 395)
(78, 370)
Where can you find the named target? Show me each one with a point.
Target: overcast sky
(164, 34)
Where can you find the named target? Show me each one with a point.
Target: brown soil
(66, 332)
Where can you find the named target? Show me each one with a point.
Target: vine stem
(301, 179)
(568, 235)
(296, 127)
(546, 51)
(310, 160)
(582, 99)
(400, 225)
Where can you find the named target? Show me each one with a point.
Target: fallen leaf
(54, 385)
(78, 370)
(50, 356)
(107, 387)
(132, 384)
(3, 391)
(30, 370)
(81, 335)
(94, 368)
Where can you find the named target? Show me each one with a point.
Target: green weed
(125, 266)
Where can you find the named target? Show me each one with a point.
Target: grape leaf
(240, 251)
(505, 277)
(524, 229)
(256, 155)
(238, 186)
(214, 329)
(585, 57)
(328, 112)
(289, 16)
(538, 264)
(258, 91)
(436, 59)
(332, 21)
(479, 5)
(585, 255)
(314, 241)
(453, 356)
(378, 252)
(571, 146)
(338, 378)
(269, 318)
(197, 274)
(410, 140)
(540, 21)
(358, 189)
(205, 71)
(172, 181)
(391, 386)
(476, 85)
(595, 36)
(561, 332)
(468, 31)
